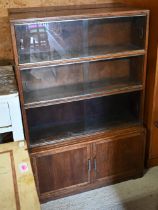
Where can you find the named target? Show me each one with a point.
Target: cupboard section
(70, 169)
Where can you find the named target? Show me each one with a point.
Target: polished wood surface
(71, 12)
(113, 158)
(121, 52)
(61, 169)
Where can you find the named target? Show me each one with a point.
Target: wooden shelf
(62, 133)
(58, 95)
(112, 53)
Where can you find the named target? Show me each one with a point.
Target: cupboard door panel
(118, 157)
(62, 169)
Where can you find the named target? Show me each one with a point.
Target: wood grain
(8, 176)
(66, 168)
(114, 158)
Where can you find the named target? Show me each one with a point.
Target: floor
(139, 194)
(17, 187)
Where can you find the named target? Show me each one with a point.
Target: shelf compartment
(58, 40)
(63, 121)
(73, 82)
(125, 88)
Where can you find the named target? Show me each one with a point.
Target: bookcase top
(73, 12)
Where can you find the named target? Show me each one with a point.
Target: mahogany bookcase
(81, 74)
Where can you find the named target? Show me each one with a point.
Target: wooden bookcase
(81, 74)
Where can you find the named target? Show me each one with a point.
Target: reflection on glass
(75, 80)
(55, 40)
(82, 117)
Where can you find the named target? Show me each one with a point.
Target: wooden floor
(17, 187)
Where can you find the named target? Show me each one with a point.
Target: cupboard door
(118, 158)
(62, 169)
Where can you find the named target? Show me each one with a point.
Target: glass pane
(114, 35)
(55, 40)
(66, 120)
(76, 80)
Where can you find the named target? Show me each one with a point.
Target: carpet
(138, 194)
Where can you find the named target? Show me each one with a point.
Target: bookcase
(81, 74)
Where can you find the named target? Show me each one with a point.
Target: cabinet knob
(156, 124)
